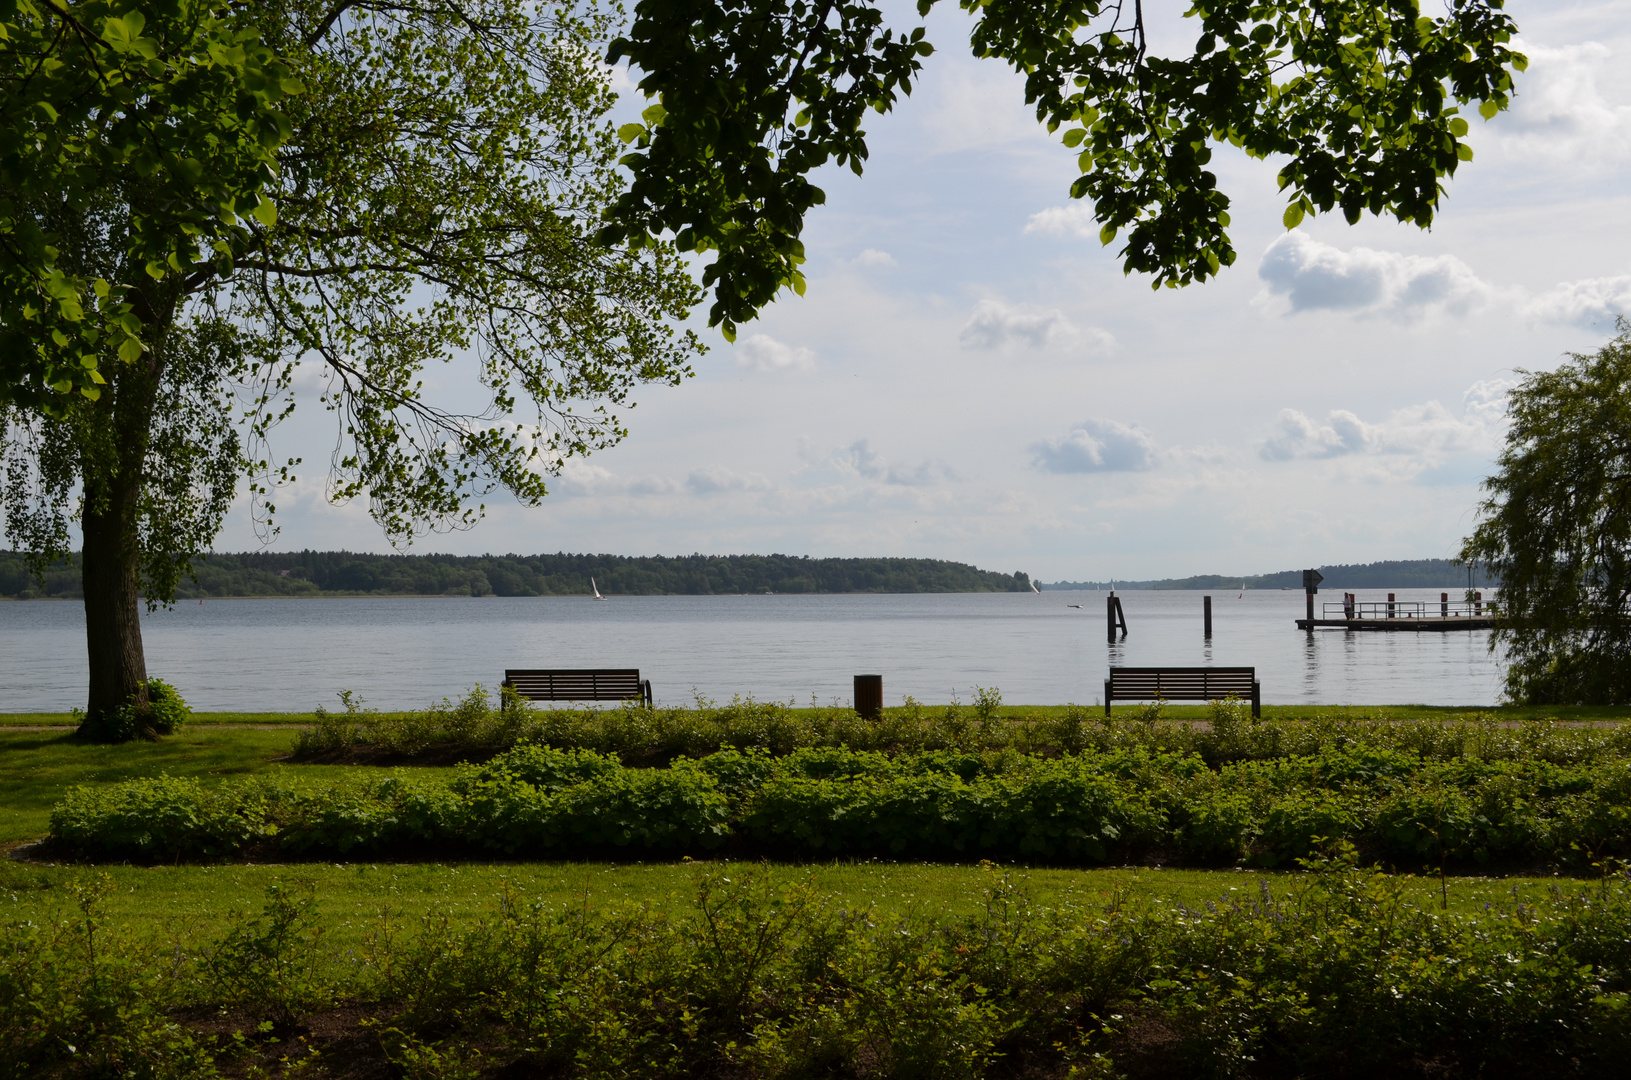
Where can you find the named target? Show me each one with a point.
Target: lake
(294, 654)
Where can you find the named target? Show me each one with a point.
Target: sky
(970, 375)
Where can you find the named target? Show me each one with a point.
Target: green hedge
(1397, 808)
(476, 726)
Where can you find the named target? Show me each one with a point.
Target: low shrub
(1341, 978)
(1123, 805)
(476, 727)
(162, 713)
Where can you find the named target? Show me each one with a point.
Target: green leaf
(1463, 151)
(1107, 234)
(629, 132)
(265, 212)
(1488, 109)
(1074, 137)
(130, 350)
(653, 116)
(1458, 127)
(1293, 215)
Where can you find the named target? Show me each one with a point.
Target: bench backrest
(584, 684)
(1182, 684)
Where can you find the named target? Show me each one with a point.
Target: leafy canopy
(1362, 98)
(430, 271)
(1556, 527)
(175, 97)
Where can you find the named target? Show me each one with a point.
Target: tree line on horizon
(1387, 574)
(345, 573)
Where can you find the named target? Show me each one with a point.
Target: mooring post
(1114, 617)
(1390, 605)
(869, 696)
(1444, 605)
(1478, 603)
(1206, 614)
(1311, 585)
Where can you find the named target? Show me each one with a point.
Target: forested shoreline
(1388, 574)
(347, 573)
(343, 573)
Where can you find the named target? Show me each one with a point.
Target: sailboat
(1035, 589)
(596, 588)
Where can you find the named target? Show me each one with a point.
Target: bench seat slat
(1182, 684)
(578, 684)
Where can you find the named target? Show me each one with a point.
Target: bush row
(476, 726)
(756, 980)
(1124, 805)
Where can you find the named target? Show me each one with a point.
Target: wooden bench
(1183, 684)
(586, 684)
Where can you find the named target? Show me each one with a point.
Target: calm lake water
(291, 655)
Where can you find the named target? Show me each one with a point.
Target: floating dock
(1405, 615)
(1454, 622)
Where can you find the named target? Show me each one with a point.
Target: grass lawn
(37, 766)
(199, 902)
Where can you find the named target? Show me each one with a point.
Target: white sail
(596, 588)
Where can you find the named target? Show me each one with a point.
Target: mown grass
(158, 904)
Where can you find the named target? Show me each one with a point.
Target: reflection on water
(405, 652)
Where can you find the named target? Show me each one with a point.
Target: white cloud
(1426, 432)
(860, 459)
(995, 324)
(978, 107)
(715, 481)
(1072, 219)
(1316, 276)
(1561, 109)
(1097, 445)
(762, 352)
(874, 257)
(581, 478)
(1588, 303)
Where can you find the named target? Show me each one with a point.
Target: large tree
(431, 196)
(1556, 528)
(1360, 99)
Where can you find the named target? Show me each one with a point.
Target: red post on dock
(1477, 603)
(1390, 605)
(1444, 605)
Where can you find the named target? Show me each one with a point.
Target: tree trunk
(113, 626)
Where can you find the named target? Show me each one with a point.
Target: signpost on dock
(1311, 585)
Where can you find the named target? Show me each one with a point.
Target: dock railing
(1412, 609)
